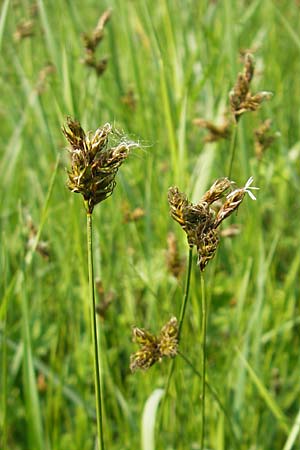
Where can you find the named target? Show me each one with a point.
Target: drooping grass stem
(181, 318)
(97, 372)
(203, 368)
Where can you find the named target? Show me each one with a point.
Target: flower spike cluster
(154, 348)
(91, 42)
(200, 221)
(94, 161)
(241, 99)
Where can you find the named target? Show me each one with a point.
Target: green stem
(182, 314)
(4, 381)
(97, 372)
(181, 318)
(203, 339)
(215, 396)
(186, 292)
(232, 149)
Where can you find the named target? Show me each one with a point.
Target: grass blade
(265, 395)
(148, 419)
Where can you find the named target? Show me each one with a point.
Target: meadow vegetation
(160, 73)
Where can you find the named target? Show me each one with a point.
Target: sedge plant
(201, 222)
(241, 101)
(95, 160)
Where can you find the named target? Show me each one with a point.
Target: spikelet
(200, 221)
(94, 162)
(154, 348)
(241, 99)
(92, 40)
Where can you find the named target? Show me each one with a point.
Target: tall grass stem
(181, 318)
(186, 292)
(203, 375)
(97, 372)
(232, 149)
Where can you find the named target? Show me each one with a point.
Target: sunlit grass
(180, 60)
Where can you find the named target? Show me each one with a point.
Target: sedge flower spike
(154, 348)
(200, 221)
(245, 190)
(95, 160)
(240, 97)
(233, 201)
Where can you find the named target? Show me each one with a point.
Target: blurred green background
(168, 63)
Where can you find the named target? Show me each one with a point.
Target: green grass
(181, 60)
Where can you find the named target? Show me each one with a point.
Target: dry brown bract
(94, 161)
(241, 99)
(25, 29)
(200, 221)
(154, 348)
(91, 42)
(215, 132)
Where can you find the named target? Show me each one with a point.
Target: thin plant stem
(97, 372)
(203, 377)
(215, 396)
(181, 318)
(4, 379)
(186, 292)
(232, 149)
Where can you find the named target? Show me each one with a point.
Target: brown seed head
(233, 201)
(154, 348)
(94, 164)
(91, 42)
(249, 67)
(178, 204)
(168, 338)
(216, 191)
(206, 247)
(191, 217)
(241, 99)
(200, 221)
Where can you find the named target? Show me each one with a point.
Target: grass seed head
(154, 348)
(188, 215)
(200, 221)
(168, 339)
(94, 163)
(233, 201)
(207, 245)
(91, 42)
(216, 191)
(241, 99)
